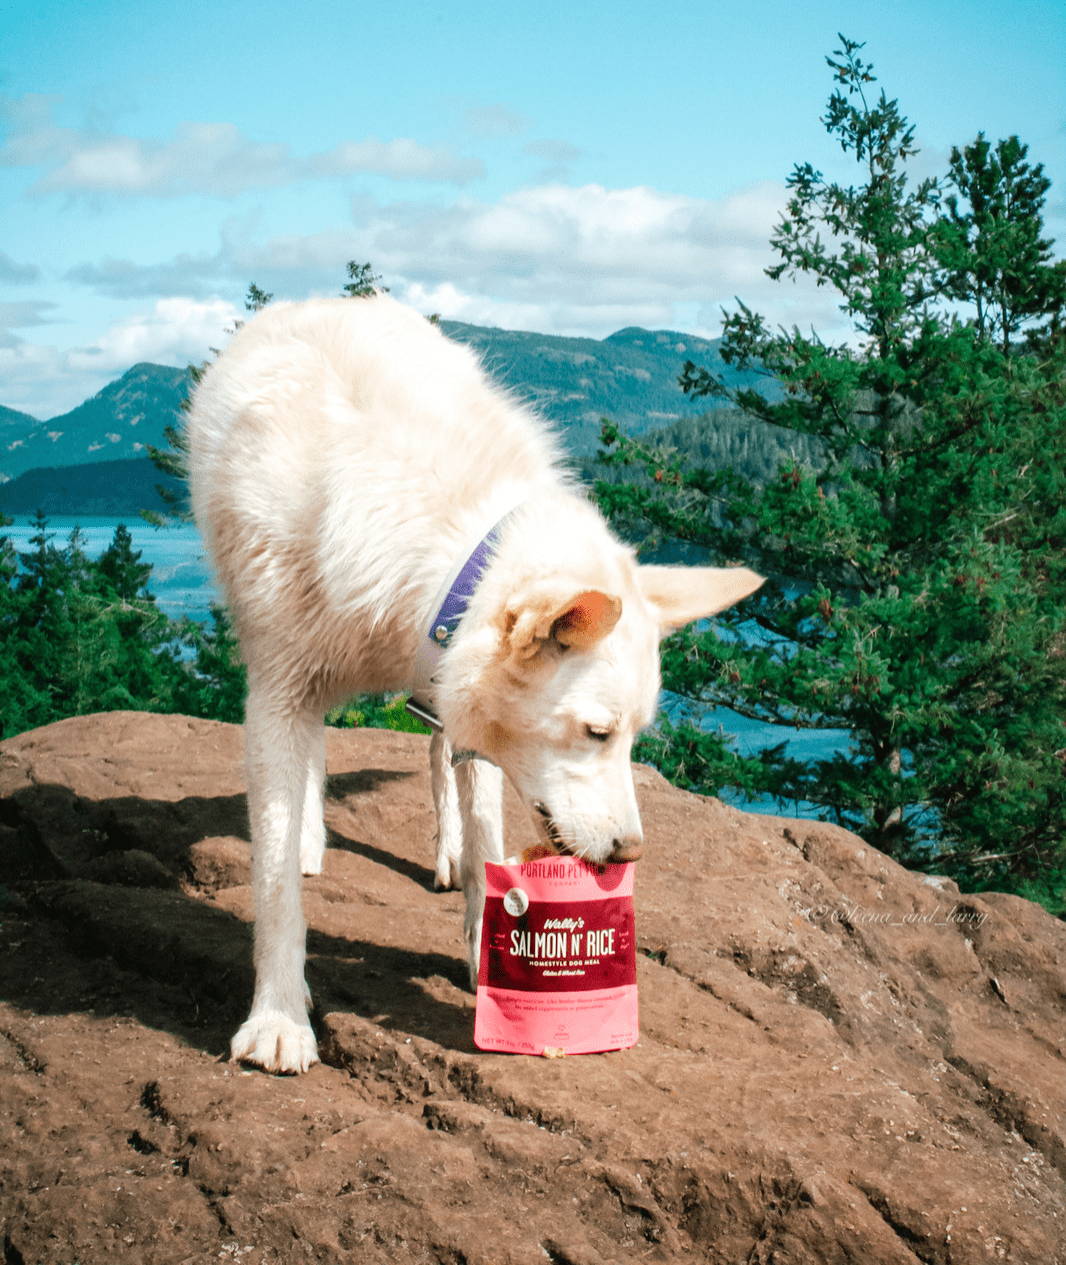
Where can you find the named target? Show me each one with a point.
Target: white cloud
(201, 158)
(212, 158)
(544, 316)
(589, 259)
(401, 159)
(586, 241)
(37, 378)
(174, 331)
(555, 257)
(46, 380)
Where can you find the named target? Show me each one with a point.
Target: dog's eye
(597, 733)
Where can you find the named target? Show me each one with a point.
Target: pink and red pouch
(558, 968)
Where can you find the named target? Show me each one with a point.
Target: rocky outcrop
(840, 1061)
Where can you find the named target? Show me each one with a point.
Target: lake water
(183, 586)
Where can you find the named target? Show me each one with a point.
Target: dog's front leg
(313, 831)
(480, 787)
(449, 821)
(279, 751)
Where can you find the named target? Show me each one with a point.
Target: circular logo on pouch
(516, 902)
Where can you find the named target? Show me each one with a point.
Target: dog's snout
(629, 849)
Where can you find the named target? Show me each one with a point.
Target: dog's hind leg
(480, 787)
(449, 820)
(313, 829)
(279, 743)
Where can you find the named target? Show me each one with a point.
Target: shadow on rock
(117, 927)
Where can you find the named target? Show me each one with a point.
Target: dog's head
(555, 685)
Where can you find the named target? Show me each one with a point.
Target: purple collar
(450, 609)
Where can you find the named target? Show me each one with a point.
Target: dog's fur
(344, 456)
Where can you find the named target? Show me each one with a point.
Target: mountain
(122, 420)
(14, 427)
(102, 488)
(13, 418)
(630, 377)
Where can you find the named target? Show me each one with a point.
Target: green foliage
(97, 489)
(174, 463)
(376, 711)
(255, 299)
(82, 635)
(17, 696)
(79, 635)
(216, 684)
(990, 243)
(913, 544)
(363, 281)
(725, 438)
(1048, 889)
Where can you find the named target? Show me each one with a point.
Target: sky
(557, 167)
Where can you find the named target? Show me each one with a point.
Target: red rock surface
(840, 1061)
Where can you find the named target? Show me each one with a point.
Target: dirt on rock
(840, 1061)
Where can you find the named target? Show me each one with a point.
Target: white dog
(347, 463)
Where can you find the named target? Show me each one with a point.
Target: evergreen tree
(121, 569)
(363, 281)
(81, 636)
(18, 697)
(136, 665)
(46, 642)
(990, 242)
(914, 600)
(255, 300)
(215, 683)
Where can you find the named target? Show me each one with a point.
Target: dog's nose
(626, 849)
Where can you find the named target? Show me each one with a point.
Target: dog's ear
(682, 594)
(586, 618)
(577, 621)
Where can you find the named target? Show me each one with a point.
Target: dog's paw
(312, 857)
(448, 877)
(275, 1042)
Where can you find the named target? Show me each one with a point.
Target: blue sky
(559, 167)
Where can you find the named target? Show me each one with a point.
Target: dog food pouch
(558, 970)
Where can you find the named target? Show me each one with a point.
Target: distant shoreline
(103, 489)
